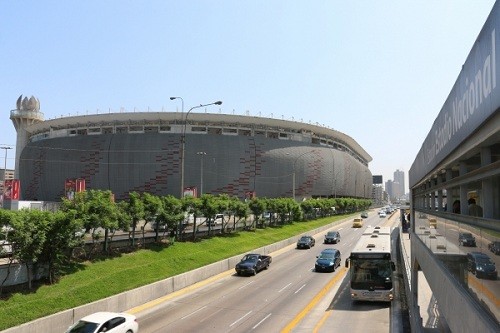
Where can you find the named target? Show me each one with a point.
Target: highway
(288, 297)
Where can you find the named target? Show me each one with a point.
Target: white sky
(378, 71)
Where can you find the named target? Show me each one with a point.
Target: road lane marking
(322, 321)
(246, 285)
(314, 301)
(288, 285)
(192, 313)
(241, 318)
(211, 315)
(299, 289)
(180, 292)
(260, 322)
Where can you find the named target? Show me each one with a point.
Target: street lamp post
(183, 137)
(6, 148)
(202, 154)
(182, 101)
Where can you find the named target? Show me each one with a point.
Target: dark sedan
(332, 237)
(494, 247)
(466, 239)
(481, 265)
(306, 242)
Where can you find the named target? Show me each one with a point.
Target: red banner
(12, 188)
(80, 185)
(72, 186)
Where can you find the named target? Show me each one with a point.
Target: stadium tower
(27, 113)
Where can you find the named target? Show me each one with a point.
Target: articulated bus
(371, 266)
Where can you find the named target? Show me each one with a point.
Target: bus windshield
(371, 274)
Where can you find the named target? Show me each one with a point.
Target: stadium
(237, 155)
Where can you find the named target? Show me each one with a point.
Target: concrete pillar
(440, 200)
(464, 208)
(433, 200)
(449, 192)
(486, 199)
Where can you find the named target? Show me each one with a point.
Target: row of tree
(48, 238)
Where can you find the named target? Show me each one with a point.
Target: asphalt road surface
(288, 297)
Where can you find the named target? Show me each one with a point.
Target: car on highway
(364, 215)
(466, 239)
(306, 242)
(382, 214)
(481, 265)
(357, 223)
(109, 322)
(332, 237)
(327, 261)
(253, 263)
(494, 247)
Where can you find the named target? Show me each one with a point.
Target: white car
(382, 214)
(109, 322)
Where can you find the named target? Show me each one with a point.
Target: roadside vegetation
(47, 239)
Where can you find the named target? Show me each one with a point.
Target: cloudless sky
(378, 71)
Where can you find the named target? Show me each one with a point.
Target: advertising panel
(12, 189)
(190, 191)
(72, 186)
(249, 195)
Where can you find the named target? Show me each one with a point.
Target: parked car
(466, 239)
(357, 223)
(80, 233)
(109, 322)
(332, 237)
(481, 265)
(159, 226)
(494, 247)
(364, 215)
(328, 260)
(253, 263)
(306, 242)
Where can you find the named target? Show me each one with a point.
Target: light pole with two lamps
(183, 137)
(6, 148)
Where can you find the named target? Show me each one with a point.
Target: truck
(253, 263)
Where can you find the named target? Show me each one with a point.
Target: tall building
(5, 174)
(389, 188)
(399, 178)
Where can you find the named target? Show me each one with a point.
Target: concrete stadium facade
(231, 154)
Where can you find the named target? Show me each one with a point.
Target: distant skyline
(378, 71)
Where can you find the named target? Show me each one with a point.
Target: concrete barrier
(59, 322)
